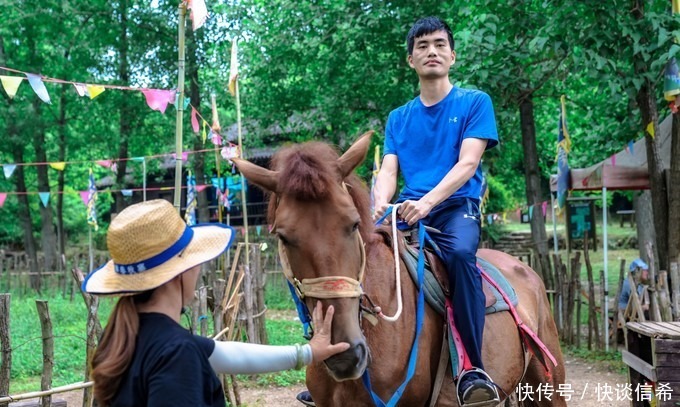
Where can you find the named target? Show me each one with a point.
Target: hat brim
(208, 242)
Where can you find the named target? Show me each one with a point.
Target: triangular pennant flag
(85, 196)
(258, 229)
(3, 196)
(158, 99)
(650, 129)
(199, 13)
(544, 207)
(194, 120)
(185, 155)
(104, 163)
(95, 90)
(11, 84)
(631, 147)
(531, 212)
(59, 166)
(229, 152)
(9, 169)
(126, 192)
(81, 88)
(39, 87)
(204, 136)
(138, 159)
(233, 69)
(44, 198)
(216, 138)
(201, 187)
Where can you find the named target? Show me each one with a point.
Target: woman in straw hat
(145, 357)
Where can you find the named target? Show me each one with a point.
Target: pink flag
(158, 99)
(3, 196)
(199, 13)
(81, 88)
(104, 163)
(194, 120)
(201, 187)
(544, 207)
(185, 155)
(85, 196)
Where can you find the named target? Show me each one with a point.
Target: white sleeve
(250, 358)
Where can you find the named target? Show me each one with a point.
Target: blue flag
(563, 148)
(91, 202)
(190, 214)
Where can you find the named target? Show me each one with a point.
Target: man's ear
(409, 59)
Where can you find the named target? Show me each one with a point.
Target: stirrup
(305, 398)
(484, 403)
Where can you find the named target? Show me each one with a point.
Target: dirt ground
(592, 386)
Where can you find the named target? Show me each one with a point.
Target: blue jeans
(460, 224)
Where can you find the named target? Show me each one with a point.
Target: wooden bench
(630, 213)
(653, 357)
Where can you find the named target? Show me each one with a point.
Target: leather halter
(326, 287)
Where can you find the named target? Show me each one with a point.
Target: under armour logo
(453, 119)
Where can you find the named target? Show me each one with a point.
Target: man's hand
(413, 211)
(379, 211)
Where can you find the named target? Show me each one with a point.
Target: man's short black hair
(425, 26)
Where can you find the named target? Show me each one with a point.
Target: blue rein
(420, 316)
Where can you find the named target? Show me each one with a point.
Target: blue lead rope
(420, 316)
(303, 312)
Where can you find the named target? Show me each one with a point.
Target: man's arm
(385, 184)
(471, 151)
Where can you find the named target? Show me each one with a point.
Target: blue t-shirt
(427, 140)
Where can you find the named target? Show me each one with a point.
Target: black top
(169, 368)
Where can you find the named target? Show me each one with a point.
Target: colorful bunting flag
(59, 166)
(39, 87)
(531, 212)
(194, 120)
(126, 192)
(85, 196)
(190, 214)
(199, 13)
(631, 147)
(229, 152)
(104, 163)
(95, 90)
(3, 197)
(200, 188)
(233, 72)
(44, 198)
(92, 202)
(158, 99)
(544, 207)
(204, 135)
(8, 169)
(185, 155)
(81, 88)
(650, 129)
(216, 138)
(11, 84)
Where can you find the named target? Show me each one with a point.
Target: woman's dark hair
(116, 347)
(425, 26)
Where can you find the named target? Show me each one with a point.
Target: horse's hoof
(305, 398)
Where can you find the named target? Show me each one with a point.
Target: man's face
(432, 55)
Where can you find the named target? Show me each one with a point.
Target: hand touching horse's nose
(321, 345)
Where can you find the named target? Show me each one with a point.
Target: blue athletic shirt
(427, 140)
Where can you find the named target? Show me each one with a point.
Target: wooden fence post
(593, 327)
(5, 344)
(675, 290)
(47, 350)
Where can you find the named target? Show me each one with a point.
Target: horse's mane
(308, 170)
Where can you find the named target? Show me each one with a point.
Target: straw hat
(150, 245)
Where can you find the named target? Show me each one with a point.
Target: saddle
(436, 282)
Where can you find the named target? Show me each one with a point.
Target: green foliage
(610, 361)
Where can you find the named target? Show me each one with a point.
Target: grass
(610, 361)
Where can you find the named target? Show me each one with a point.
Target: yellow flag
(233, 75)
(59, 166)
(11, 84)
(650, 129)
(204, 135)
(95, 90)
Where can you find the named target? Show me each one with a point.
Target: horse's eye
(355, 227)
(282, 238)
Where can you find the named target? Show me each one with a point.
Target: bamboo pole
(36, 394)
(5, 344)
(217, 128)
(244, 205)
(182, 11)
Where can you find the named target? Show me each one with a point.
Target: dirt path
(583, 377)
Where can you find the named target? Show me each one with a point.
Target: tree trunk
(644, 222)
(674, 194)
(125, 127)
(195, 97)
(61, 174)
(533, 186)
(647, 103)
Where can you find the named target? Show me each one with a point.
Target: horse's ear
(262, 177)
(355, 155)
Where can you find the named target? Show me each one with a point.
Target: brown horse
(320, 212)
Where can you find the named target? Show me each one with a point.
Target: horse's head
(319, 211)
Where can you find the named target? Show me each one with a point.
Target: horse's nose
(351, 363)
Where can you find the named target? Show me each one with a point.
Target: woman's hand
(321, 345)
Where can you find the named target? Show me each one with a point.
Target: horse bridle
(329, 286)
